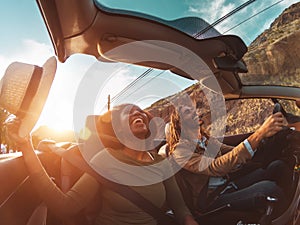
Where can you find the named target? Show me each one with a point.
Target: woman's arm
(62, 204)
(220, 166)
(201, 163)
(224, 148)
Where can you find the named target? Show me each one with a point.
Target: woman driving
(247, 192)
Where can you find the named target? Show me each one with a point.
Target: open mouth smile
(138, 121)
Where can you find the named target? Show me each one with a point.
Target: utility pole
(108, 102)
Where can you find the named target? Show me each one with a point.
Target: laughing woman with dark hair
(116, 210)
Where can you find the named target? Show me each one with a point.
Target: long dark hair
(175, 131)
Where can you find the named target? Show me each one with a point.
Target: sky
(24, 38)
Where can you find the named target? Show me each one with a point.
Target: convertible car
(171, 54)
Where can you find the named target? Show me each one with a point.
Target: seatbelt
(121, 189)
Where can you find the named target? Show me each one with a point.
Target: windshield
(26, 39)
(261, 24)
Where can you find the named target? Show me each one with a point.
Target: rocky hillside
(275, 54)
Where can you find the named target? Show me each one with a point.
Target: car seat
(69, 175)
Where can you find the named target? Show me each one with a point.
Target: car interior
(97, 32)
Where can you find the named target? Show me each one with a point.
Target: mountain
(274, 53)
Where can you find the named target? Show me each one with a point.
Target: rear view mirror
(228, 63)
(298, 103)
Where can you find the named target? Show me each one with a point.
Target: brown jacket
(198, 165)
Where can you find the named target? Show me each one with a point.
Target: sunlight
(59, 127)
(56, 118)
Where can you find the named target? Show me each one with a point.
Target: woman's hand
(32, 162)
(189, 220)
(12, 125)
(272, 125)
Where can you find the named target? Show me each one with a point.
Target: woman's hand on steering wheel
(273, 124)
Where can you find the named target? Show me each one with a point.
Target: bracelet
(248, 147)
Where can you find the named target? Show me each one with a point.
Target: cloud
(211, 11)
(30, 51)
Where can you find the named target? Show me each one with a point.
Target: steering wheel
(278, 108)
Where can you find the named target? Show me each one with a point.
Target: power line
(249, 18)
(223, 18)
(149, 81)
(133, 83)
